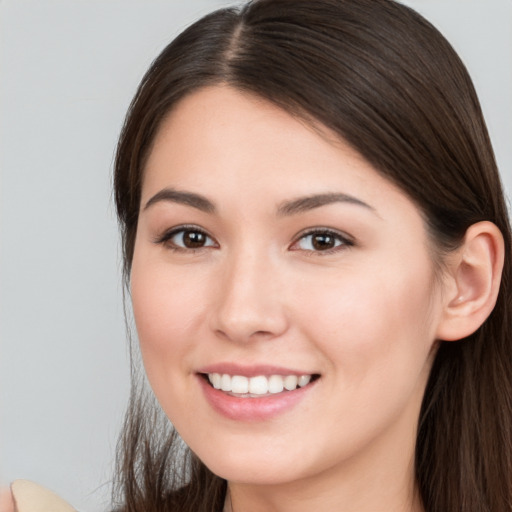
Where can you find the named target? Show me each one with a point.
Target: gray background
(68, 71)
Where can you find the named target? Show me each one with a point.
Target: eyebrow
(303, 204)
(187, 198)
(293, 207)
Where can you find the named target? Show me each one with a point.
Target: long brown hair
(385, 80)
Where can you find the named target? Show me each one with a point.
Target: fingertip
(6, 500)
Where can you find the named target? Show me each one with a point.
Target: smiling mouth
(258, 386)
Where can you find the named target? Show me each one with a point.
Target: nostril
(261, 334)
(240, 332)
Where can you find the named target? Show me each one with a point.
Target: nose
(249, 302)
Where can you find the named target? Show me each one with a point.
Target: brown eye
(321, 241)
(194, 239)
(188, 239)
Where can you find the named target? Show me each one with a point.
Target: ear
(472, 282)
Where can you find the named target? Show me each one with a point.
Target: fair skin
(267, 247)
(6, 501)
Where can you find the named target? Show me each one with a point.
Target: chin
(258, 473)
(256, 465)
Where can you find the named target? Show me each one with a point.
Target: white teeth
(225, 383)
(275, 384)
(215, 379)
(304, 380)
(290, 382)
(239, 384)
(260, 385)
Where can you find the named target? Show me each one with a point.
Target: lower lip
(253, 409)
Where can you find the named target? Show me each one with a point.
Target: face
(272, 260)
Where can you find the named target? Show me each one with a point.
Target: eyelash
(343, 241)
(165, 239)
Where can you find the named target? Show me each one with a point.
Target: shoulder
(31, 497)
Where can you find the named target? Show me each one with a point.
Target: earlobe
(474, 275)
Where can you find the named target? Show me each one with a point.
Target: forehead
(219, 140)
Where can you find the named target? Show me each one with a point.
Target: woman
(309, 193)
(316, 247)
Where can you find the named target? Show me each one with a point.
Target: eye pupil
(321, 242)
(193, 239)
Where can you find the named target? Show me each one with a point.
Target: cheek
(375, 334)
(167, 310)
(373, 325)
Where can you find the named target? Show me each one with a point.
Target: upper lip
(251, 370)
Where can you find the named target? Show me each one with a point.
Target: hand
(6, 501)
